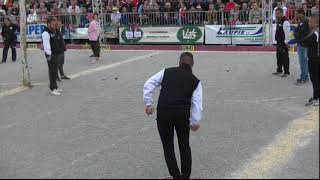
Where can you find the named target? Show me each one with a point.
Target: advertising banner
(251, 34)
(162, 35)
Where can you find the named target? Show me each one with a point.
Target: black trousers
(8, 45)
(95, 46)
(60, 64)
(314, 71)
(282, 58)
(53, 70)
(168, 121)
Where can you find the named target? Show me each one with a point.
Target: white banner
(162, 35)
(240, 34)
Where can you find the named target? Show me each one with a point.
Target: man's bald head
(186, 58)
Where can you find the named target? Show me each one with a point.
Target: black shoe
(310, 102)
(92, 55)
(277, 73)
(285, 75)
(58, 79)
(65, 77)
(301, 81)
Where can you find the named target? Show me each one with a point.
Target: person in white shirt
(179, 107)
(279, 5)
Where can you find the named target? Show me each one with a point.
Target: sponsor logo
(131, 35)
(189, 34)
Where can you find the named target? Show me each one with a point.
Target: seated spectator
(3, 9)
(255, 14)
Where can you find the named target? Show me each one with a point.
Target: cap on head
(186, 58)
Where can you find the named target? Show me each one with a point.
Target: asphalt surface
(97, 128)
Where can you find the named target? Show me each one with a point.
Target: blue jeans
(303, 61)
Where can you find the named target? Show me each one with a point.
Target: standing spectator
(279, 5)
(182, 13)
(234, 16)
(9, 35)
(244, 13)
(255, 14)
(75, 11)
(291, 12)
(32, 17)
(43, 11)
(15, 10)
(55, 10)
(3, 9)
(315, 9)
(124, 17)
(93, 34)
(300, 33)
(306, 9)
(61, 55)
(211, 15)
(231, 5)
(83, 17)
(52, 49)
(168, 13)
(312, 42)
(282, 37)
(115, 17)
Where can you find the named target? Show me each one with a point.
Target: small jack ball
(116, 78)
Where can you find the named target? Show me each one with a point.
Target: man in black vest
(282, 37)
(179, 107)
(53, 52)
(9, 34)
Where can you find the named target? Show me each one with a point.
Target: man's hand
(148, 110)
(194, 127)
(48, 58)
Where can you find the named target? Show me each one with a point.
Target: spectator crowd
(125, 12)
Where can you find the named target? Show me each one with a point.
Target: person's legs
(166, 131)
(14, 52)
(52, 64)
(303, 61)
(285, 60)
(5, 52)
(182, 126)
(314, 76)
(279, 63)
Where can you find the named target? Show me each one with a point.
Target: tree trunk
(23, 45)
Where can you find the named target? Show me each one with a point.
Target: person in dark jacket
(61, 60)
(179, 108)
(9, 34)
(53, 51)
(311, 41)
(301, 32)
(282, 37)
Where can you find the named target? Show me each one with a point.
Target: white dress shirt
(196, 101)
(46, 43)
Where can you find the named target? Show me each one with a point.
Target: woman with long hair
(93, 34)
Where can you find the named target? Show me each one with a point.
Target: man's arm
(196, 106)
(46, 43)
(286, 29)
(150, 86)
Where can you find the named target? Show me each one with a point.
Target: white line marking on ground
(277, 154)
(264, 100)
(13, 91)
(105, 67)
(82, 73)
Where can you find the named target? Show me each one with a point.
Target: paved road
(97, 128)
